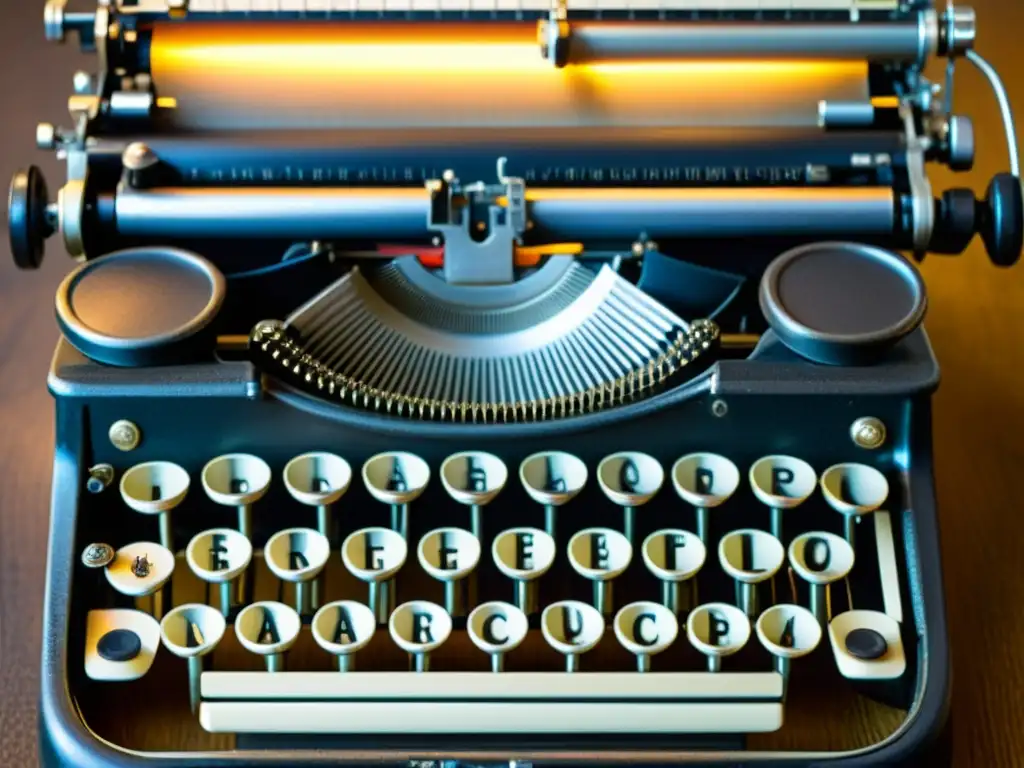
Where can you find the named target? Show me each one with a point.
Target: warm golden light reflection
(308, 75)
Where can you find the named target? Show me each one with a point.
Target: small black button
(866, 644)
(119, 645)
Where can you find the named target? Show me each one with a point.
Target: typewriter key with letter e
(524, 555)
(601, 555)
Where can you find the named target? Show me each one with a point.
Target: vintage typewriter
(487, 382)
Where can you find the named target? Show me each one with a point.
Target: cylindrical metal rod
(628, 523)
(748, 599)
(323, 520)
(578, 214)
(643, 662)
(245, 520)
(275, 662)
(670, 595)
(226, 590)
(550, 511)
(777, 523)
(195, 671)
(497, 662)
(703, 523)
(819, 605)
(421, 662)
(346, 662)
(572, 662)
(166, 531)
(714, 663)
(301, 598)
(910, 40)
(476, 517)
(849, 529)
(603, 600)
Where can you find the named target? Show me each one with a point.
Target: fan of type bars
(565, 341)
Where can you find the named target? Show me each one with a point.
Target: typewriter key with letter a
(342, 628)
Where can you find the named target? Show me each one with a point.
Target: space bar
(484, 703)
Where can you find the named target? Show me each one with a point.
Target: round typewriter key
(155, 488)
(474, 478)
(645, 630)
(820, 558)
(552, 478)
(630, 479)
(318, 480)
(866, 644)
(119, 645)
(600, 554)
(572, 628)
(497, 628)
(524, 555)
(853, 490)
(237, 480)
(788, 632)
(268, 629)
(717, 630)
(418, 628)
(374, 555)
(750, 556)
(341, 628)
(674, 556)
(219, 556)
(297, 555)
(781, 483)
(398, 479)
(705, 480)
(140, 570)
(191, 632)
(450, 555)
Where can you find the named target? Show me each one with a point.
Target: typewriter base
(125, 724)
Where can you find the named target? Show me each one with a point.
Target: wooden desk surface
(976, 322)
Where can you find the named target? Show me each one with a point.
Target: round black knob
(27, 219)
(1001, 220)
(955, 221)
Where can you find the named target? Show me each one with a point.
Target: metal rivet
(124, 435)
(868, 432)
(97, 556)
(719, 408)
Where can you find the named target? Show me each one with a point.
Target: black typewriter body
(363, 457)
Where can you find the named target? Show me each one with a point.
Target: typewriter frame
(88, 395)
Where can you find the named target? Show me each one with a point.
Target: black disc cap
(866, 644)
(119, 645)
(28, 226)
(1001, 220)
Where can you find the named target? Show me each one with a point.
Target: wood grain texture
(976, 322)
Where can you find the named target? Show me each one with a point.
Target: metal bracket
(469, 260)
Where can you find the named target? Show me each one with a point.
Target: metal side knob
(1001, 220)
(27, 219)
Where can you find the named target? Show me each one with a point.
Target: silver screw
(138, 157)
(124, 435)
(82, 82)
(719, 408)
(868, 432)
(46, 136)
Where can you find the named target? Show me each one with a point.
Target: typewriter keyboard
(751, 597)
